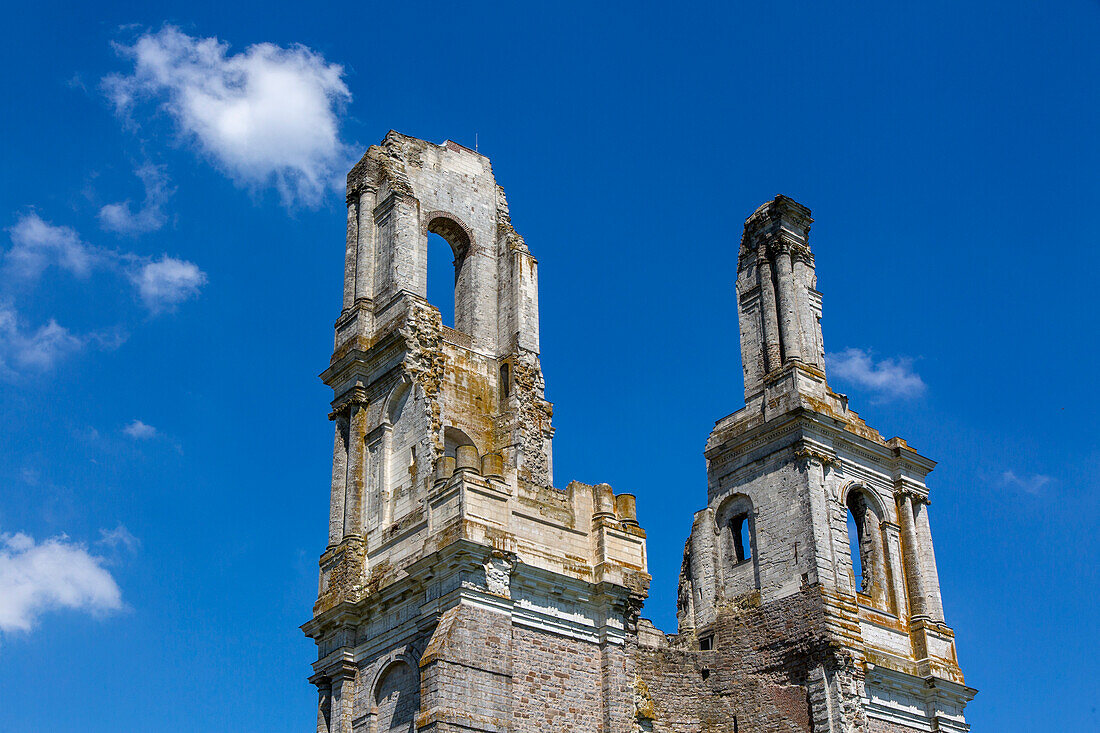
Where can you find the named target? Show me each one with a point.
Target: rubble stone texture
(462, 591)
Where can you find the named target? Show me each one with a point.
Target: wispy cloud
(26, 350)
(123, 219)
(160, 284)
(165, 283)
(140, 431)
(36, 577)
(33, 350)
(1028, 483)
(118, 538)
(266, 116)
(887, 378)
(37, 244)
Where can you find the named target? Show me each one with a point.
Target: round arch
(395, 400)
(395, 696)
(870, 496)
(453, 230)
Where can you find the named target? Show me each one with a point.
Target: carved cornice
(766, 225)
(356, 396)
(341, 669)
(323, 683)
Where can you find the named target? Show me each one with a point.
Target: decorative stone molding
(906, 492)
(808, 453)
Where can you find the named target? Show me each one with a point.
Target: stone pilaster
(339, 479)
(769, 313)
(350, 251)
(343, 680)
(365, 245)
(324, 702)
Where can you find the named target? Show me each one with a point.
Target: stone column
(356, 481)
(350, 250)
(918, 604)
(788, 309)
(365, 249)
(769, 313)
(930, 573)
(339, 479)
(878, 553)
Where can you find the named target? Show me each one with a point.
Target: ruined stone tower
(769, 594)
(461, 591)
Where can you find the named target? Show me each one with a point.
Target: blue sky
(170, 267)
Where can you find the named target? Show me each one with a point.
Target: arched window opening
(869, 565)
(853, 545)
(741, 538)
(441, 278)
(397, 699)
(505, 382)
(448, 279)
(735, 524)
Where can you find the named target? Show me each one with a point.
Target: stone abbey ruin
(462, 591)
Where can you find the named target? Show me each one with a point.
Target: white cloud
(37, 244)
(56, 573)
(1032, 484)
(140, 431)
(266, 116)
(121, 218)
(165, 283)
(39, 350)
(888, 378)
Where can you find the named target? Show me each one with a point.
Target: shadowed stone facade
(461, 591)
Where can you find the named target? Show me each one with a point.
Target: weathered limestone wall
(783, 538)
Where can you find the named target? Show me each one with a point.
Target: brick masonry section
(756, 677)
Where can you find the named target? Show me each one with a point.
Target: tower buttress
(778, 305)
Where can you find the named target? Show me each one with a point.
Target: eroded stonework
(461, 590)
